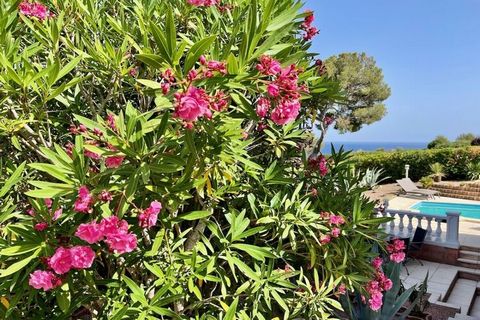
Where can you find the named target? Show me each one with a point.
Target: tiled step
(468, 263)
(459, 316)
(471, 255)
(470, 248)
(463, 294)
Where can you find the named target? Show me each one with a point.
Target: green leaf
(196, 51)
(14, 178)
(152, 60)
(194, 215)
(230, 315)
(17, 266)
(63, 300)
(53, 170)
(137, 291)
(258, 253)
(18, 249)
(150, 84)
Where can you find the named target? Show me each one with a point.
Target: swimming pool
(440, 208)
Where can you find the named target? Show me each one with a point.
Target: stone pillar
(453, 224)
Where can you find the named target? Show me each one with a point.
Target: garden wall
(455, 161)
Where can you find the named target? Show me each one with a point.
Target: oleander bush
(157, 165)
(454, 160)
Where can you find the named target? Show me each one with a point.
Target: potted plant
(438, 171)
(419, 300)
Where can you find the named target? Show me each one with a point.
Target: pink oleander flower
(219, 101)
(342, 289)
(122, 242)
(69, 148)
(192, 75)
(376, 300)
(377, 262)
(48, 202)
(165, 87)
(336, 220)
(385, 283)
(97, 132)
(34, 9)
(397, 257)
(90, 232)
(114, 162)
(322, 166)
(41, 226)
(286, 112)
(82, 128)
(336, 232)
(45, 280)
(218, 66)
(327, 120)
(31, 212)
(111, 121)
(82, 257)
(105, 196)
(261, 126)
(273, 90)
(133, 72)
(263, 106)
(57, 214)
(325, 239)
(203, 3)
(112, 226)
(310, 33)
(192, 104)
(268, 66)
(148, 218)
(84, 201)
(202, 60)
(61, 261)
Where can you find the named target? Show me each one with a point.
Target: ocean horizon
(373, 146)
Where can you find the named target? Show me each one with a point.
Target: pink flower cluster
(45, 280)
(211, 66)
(328, 120)
(196, 103)
(84, 201)
(310, 31)
(112, 230)
(148, 217)
(377, 286)
(62, 261)
(203, 3)
(35, 9)
(396, 250)
(334, 221)
(318, 163)
(283, 91)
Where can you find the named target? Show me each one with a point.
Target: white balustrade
(441, 230)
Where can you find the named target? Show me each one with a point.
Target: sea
(373, 146)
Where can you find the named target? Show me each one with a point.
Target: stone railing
(441, 230)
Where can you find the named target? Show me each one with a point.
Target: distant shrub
(426, 182)
(474, 170)
(476, 141)
(455, 161)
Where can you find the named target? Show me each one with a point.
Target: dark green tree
(439, 142)
(364, 93)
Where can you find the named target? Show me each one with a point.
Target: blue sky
(429, 51)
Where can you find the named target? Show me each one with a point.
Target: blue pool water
(440, 208)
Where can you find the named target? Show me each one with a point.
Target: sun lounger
(411, 189)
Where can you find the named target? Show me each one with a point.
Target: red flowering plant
(168, 166)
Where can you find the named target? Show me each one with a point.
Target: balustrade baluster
(429, 227)
(400, 225)
(392, 223)
(438, 232)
